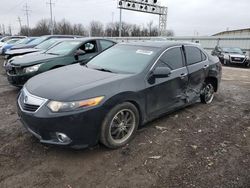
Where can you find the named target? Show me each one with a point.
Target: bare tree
(150, 25)
(96, 29)
(169, 33)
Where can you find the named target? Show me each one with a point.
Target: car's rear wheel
(207, 93)
(119, 125)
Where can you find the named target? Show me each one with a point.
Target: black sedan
(117, 91)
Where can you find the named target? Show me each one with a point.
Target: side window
(203, 56)
(172, 58)
(193, 55)
(89, 47)
(105, 44)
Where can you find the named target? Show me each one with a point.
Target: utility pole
(20, 22)
(120, 25)
(51, 17)
(3, 26)
(112, 24)
(27, 10)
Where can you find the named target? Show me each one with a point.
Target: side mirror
(161, 72)
(79, 53)
(244, 53)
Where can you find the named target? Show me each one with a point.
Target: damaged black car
(116, 92)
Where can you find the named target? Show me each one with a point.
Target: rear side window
(203, 56)
(172, 58)
(194, 55)
(106, 44)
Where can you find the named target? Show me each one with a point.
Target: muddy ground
(200, 146)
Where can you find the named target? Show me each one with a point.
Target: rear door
(197, 65)
(166, 94)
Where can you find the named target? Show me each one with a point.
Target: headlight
(32, 68)
(56, 106)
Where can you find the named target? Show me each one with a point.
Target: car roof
(159, 44)
(83, 39)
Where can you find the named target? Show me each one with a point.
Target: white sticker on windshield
(145, 52)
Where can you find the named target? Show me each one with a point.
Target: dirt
(199, 146)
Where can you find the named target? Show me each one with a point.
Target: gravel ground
(199, 146)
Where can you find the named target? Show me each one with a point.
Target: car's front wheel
(247, 64)
(207, 93)
(225, 62)
(119, 125)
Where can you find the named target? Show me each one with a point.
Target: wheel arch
(130, 97)
(213, 81)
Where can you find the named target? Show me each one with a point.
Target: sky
(185, 17)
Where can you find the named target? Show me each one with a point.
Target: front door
(167, 94)
(90, 48)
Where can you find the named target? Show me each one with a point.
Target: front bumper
(18, 80)
(81, 127)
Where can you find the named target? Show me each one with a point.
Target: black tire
(207, 93)
(247, 64)
(111, 122)
(225, 62)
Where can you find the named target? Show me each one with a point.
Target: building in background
(234, 33)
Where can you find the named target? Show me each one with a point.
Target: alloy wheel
(209, 93)
(122, 125)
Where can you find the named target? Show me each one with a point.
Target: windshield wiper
(52, 54)
(103, 69)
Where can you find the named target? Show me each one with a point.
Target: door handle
(183, 75)
(206, 66)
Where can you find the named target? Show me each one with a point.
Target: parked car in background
(8, 42)
(5, 39)
(42, 39)
(230, 55)
(21, 68)
(39, 48)
(115, 92)
(8, 46)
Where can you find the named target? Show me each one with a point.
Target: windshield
(38, 40)
(64, 48)
(46, 44)
(12, 41)
(23, 41)
(232, 50)
(124, 59)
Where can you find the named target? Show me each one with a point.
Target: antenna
(27, 10)
(51, 17)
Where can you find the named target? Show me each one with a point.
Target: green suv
(19, 69)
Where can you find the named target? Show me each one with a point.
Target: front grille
(30, 107)
(29, 102)
(12, 70)
(238, 59)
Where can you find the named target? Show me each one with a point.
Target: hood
(22, 51)
(235, 55)
(74, 82)
(32, 59)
